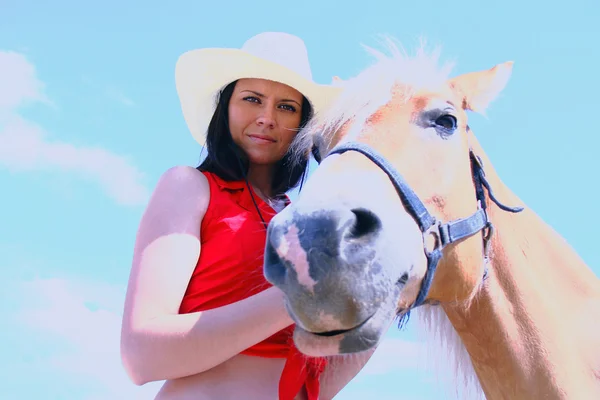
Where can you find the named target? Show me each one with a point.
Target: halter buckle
(438, 232)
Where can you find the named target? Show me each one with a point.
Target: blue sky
(89, 119)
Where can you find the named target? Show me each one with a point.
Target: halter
(443, 233)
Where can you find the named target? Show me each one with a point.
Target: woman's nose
(266, 118)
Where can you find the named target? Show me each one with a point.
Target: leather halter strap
(443, 233)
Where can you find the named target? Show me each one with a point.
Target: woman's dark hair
(226, 159)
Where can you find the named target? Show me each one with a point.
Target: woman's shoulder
(183, 178)
(182, 187)
(178, 205)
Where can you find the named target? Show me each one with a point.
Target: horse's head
(350, 253)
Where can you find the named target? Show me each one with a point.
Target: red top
(230, 269)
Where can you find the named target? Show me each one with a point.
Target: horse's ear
(479, 89)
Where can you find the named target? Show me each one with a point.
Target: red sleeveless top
(230, 269)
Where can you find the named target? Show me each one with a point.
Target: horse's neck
(532, 330)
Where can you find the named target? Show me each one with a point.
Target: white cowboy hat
(281, 57)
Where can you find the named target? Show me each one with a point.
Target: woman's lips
(264, 139)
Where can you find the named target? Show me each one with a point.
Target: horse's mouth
(331, 333)
(362, 337)
(340, 331)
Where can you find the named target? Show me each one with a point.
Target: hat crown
(281, 48)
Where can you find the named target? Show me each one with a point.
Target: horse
(405, 212)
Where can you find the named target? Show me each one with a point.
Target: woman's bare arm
(157, 343)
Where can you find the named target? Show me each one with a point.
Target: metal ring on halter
(488, 232)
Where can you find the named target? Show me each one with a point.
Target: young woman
(198, 312)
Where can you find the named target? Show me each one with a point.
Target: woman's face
(264, 117)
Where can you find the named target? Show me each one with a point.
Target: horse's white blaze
(291, 250)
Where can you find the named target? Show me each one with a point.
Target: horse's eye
(447, 121)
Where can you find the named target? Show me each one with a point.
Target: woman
(198, 312)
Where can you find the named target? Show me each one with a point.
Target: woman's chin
(263, 160)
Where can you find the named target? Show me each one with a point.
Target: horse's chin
(362, 337)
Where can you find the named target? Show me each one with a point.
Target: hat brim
(201, 74)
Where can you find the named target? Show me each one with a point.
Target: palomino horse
(400, 213)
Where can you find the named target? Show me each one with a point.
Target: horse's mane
(372, 88)
(446, 355)
(362, 96)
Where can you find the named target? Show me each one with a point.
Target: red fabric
(230, 269)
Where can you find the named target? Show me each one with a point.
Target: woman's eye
(289, 107)
(448, 122)
(252, 99)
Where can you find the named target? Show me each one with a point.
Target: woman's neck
(261, 179)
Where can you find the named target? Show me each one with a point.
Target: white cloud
(18, 82)
(25, 146)
(87, 317)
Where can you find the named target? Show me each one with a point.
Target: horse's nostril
(366, 223)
